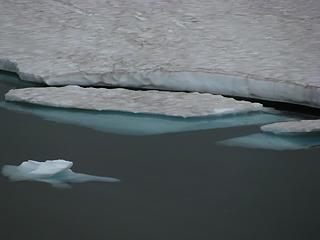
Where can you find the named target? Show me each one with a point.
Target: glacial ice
(178, 104)
(259, 49)
(292, 127)
(58, 173)
(140, 124)
(274, 142)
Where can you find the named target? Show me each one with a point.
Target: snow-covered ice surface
(260, 49)
(293, 127)
(274, 142)
(140, 124)
(58, 173)
(178, 104)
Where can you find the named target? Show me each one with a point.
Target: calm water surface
(173, 186)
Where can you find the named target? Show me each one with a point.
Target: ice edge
(203, 81)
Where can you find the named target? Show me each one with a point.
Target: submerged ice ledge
(140, 124)
(58, 173)
(179, 104)
(271, 141)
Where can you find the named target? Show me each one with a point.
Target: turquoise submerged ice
(58, 173)
(139, 124)
(291, 135)
(275, 142)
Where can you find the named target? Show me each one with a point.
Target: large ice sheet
(58, 173)
(293, 127)
(154, 102)
(140, 124)
(260, 49)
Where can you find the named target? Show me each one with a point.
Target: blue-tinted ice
(58, 173)
(140, 124)
(274, 141)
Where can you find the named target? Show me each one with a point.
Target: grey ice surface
(291, 127)
(260, 49)
(153, 102)
(58, 173)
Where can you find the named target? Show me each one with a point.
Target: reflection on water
(58, 173)
(139, 124)
(275, 142)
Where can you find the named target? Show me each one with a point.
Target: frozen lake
(173, 186)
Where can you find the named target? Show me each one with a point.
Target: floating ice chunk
(274, 142)
(291, 135)
(58, 173)
(179, 104)
(293, 127)
(141, 124)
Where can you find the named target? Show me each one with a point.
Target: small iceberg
(58, 173)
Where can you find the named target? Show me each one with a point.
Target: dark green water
(173, 186)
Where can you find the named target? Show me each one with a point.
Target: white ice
(58, 173)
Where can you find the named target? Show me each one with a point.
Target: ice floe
(58, 173)
(286, 135)
(153, 102)
(293, 127)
